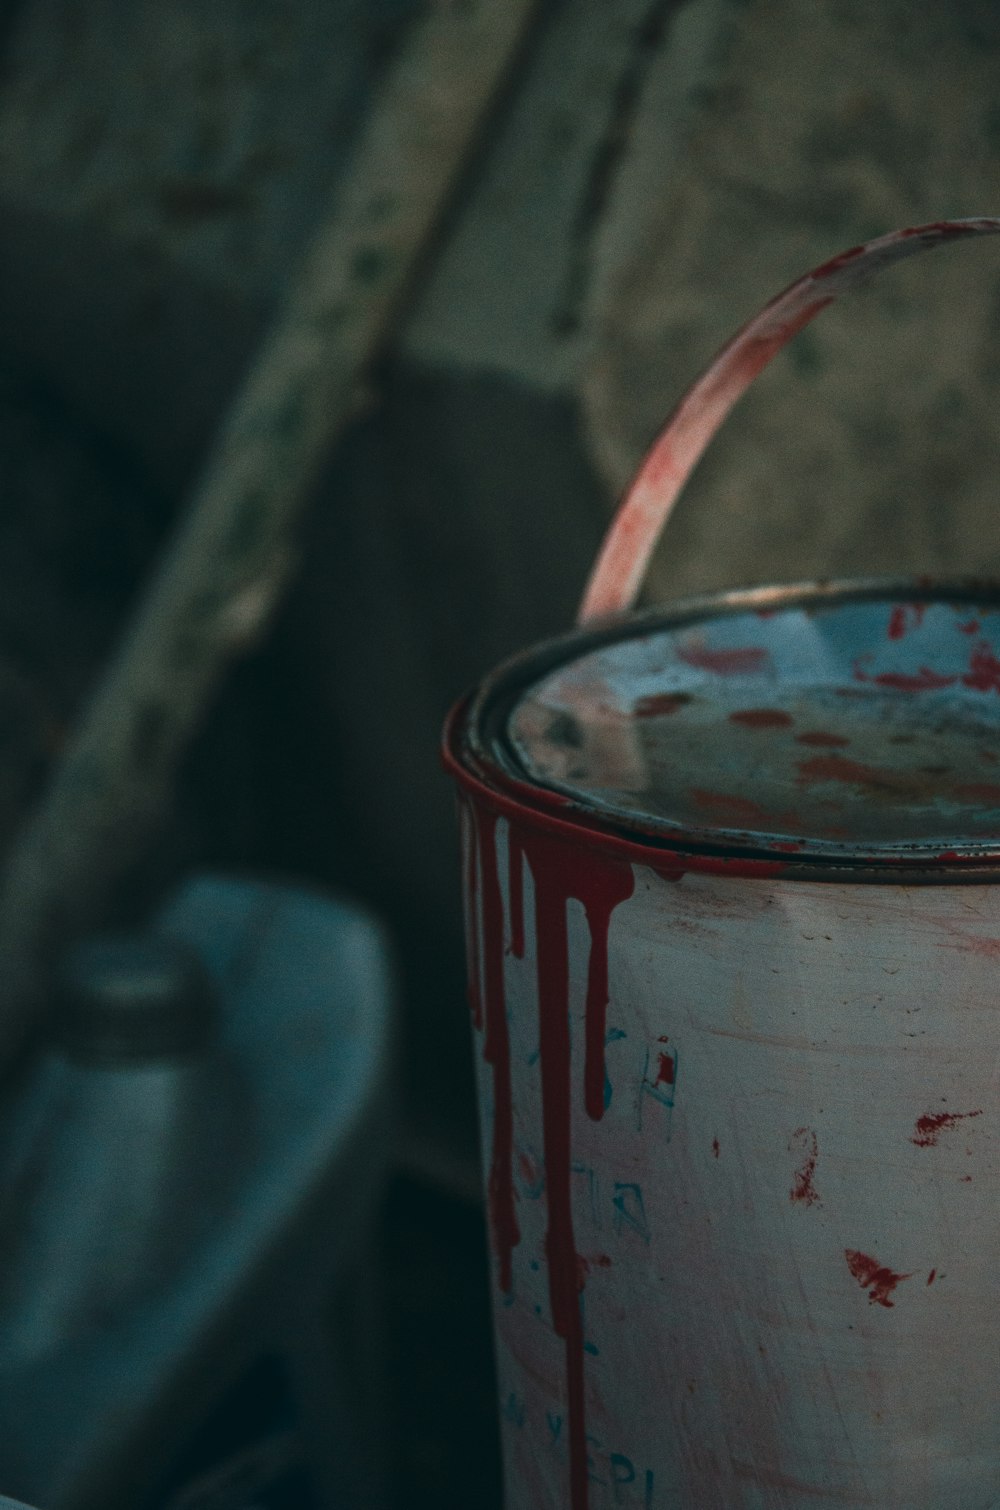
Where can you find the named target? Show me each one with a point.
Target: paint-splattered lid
(862, 723)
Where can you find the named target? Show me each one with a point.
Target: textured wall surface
(770, 136)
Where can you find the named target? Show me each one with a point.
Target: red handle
(624, 555)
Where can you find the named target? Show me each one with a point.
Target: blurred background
(242, 1255)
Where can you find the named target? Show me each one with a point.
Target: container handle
(624, 554)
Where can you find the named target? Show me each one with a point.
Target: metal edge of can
(470, 745)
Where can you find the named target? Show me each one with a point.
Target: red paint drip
(841, 260)
(724, 662)
(661, 704)
(515, 888)
(928, 1129)
(819, 739)
(932, 1276)
(984, 670)
(616, 885)
(762, 718)
(561, 871)
(803, 1141)
(496, 1052)
(473, 990)
(874, 1277)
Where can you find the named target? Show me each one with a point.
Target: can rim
(473, 749)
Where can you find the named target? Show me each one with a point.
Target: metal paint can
(733, 934)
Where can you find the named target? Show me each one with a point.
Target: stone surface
(771, 136)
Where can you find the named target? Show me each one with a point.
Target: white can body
(786, 1217)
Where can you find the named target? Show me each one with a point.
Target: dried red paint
(819, 739)
(841, 260)
(496, 1052)
(667, 1070)
(804, 1142)
(874, 1277)
(928, 1129)
(922, 680)
(984, 670)
(733, 808)
(971, 627)
(788, 846)
(899, 618)
(715, 1148)
(561, 871)
(661, 704)
(753, 353)
(724, 662)
(932, 1276)
(617, 886)
(515, 890)
(762, 718)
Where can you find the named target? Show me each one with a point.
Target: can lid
(856, 723)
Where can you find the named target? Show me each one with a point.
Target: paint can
(734, 940)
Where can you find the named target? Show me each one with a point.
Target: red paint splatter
(661, 704)
(979, 791)
(819, 739)
(874, 1277)
(922, 680)
(715, 1148)
(496, 1052)
(838, 768)
(473, 990)
(971, 627)
(724, 662)
(562, 871)
(803, 1142)
(667, 1070)
(762, 718)
(983, 674)
(515, 889)
(932, 1276)
(928, 1129)
(788, 846)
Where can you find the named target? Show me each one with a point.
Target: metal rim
(478, 755)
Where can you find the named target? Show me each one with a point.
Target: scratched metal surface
(853, 727)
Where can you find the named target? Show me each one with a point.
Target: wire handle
(628, 545)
